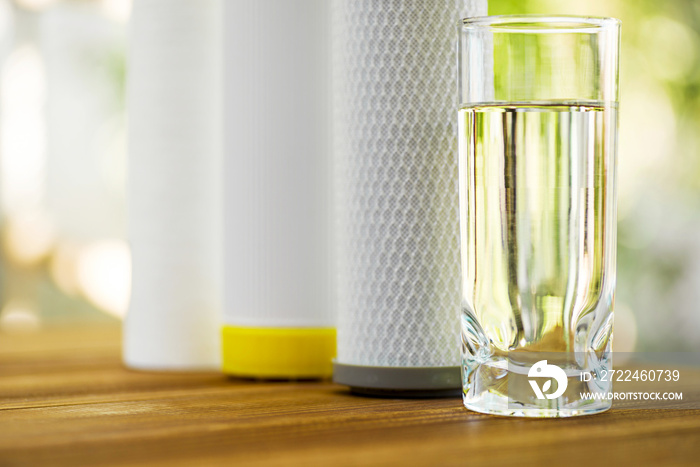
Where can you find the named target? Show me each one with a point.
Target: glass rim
(540, 24)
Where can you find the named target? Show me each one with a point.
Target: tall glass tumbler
(537, 157)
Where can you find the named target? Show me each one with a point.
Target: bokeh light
(27, 238)
(17, 316)
(104, 275)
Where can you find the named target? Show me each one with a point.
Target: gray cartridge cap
(443, 381)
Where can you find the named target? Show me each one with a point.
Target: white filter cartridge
(174, 189)
(277, 318)
(395, 142)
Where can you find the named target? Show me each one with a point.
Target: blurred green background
(63, 257)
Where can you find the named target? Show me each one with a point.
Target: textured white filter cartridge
(395, 101)
(175, 199)
(278, 319)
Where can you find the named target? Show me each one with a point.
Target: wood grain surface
(65, 399)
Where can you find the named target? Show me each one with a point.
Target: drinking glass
(537, 163)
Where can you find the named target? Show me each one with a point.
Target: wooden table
(65, 399)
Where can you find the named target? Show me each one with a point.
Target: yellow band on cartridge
(278, 352)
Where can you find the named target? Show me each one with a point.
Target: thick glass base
(501, 406)
(540, 386)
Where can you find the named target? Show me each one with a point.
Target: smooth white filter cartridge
(278, 317)
(395, 91)
(174, 187)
